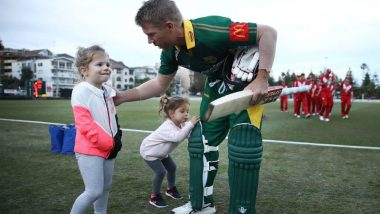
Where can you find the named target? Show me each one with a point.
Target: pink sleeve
(86, 125)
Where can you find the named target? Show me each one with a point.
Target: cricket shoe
(187, 209)
(327, 120)
(346, 116)
(173, 193)
(157, 201)
(321, 118)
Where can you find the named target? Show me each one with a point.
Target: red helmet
(328, 70)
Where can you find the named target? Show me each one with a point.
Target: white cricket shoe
(327, 119)
(321, 118)
(346, 116)
(187, 209)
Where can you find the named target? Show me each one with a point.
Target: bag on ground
(68, 139)
(56, 137)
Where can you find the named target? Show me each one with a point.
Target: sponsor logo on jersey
(239, 32)
(210, 59)
(191, 36)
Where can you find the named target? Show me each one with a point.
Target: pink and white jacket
(98, 132)
(160, 143)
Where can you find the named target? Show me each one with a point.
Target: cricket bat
(238, 101)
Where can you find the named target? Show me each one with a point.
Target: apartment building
(61, 75)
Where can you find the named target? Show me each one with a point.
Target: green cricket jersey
(209, 40)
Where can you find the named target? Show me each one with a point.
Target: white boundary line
(268, 141)
(321, 144)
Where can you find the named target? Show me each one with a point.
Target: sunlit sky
(311, 34)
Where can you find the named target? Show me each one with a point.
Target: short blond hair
(158, 12)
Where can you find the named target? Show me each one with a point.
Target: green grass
(293, 178)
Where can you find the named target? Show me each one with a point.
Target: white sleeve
(170, 133)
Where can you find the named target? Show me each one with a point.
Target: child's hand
(194, 120)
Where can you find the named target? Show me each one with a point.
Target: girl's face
(180, 115)
(98, 71)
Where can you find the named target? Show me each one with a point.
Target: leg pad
(245, 154)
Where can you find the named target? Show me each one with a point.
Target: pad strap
(206, 147)
(211, 165)
(208, 190)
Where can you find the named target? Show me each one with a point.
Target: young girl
(98, 136)
(156, 148)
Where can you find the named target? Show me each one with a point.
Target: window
(118, 86)
(40, 64)
(69, 65)
(61, 65)
(118, 79)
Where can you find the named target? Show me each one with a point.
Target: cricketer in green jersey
(204, 45)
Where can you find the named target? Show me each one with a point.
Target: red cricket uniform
(284, 100)
(327, 99)
(332, 90)
(315, 98)
(345, 97)
(304, 99)
(308, 96)
(297, 100)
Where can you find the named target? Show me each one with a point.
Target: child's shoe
(157, 201)
(173, 193)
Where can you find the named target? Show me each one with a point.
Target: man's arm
(151, 88)
(266, 40)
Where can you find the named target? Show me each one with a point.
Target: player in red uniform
(304, 102)
(325, 81)
(332, 91)
(284, 99)
(315, 97)
(345, 96)
(310, 82)
(297, 98)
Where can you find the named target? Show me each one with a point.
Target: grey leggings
(160, 167)
(97, 177)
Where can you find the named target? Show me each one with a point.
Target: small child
(98, 136)
(156, 148)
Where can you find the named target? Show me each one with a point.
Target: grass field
(293, 178)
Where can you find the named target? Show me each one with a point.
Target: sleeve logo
(239, 32)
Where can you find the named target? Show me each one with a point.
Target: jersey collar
(189, 34)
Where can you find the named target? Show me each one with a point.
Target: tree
(270, 80)
(10, 82)
(368, 86)
(1, 45)
(141, 81)
(364, 67)
(26, 75)
(198, 83)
